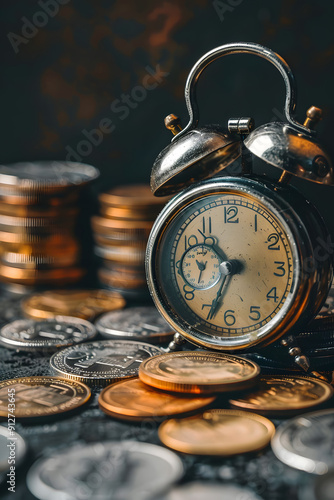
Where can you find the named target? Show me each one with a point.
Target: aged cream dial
(232, 264)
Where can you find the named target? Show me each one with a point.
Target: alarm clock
(237, 262)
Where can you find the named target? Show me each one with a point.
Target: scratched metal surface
(260, 472)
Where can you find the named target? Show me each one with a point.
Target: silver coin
(47, 173)
(102, 362)
(137, 323)
(103, 471)
(12, 448)
(209, 491)
(306, 442)
(48, 334)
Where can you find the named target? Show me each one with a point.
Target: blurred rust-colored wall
(93, 80)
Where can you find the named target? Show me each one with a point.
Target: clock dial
(227, 266)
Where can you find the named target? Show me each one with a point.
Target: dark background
(60, 79)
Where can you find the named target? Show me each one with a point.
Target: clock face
(227, 264)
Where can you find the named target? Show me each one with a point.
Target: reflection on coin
(281, 395)
(133, 400)
(12, 446)
(217, 433)
(86, 304)
(136, 323)
(306, 442)
(49, 334)
(199, 372)
(102, 362)
(210, 491)
(103, 471)
(42, 396)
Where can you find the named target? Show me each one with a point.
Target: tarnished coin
(103, 471)
(199, 372)
(136, 323)
(284, 395)
(217, 433)
(46, 175)
(48, 334)
(306, 442)
(207, 490)
(86, 304)
(13, 447)
(102, 362)
(41, 396)
(133, 400)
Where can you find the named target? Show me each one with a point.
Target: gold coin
(33, 397)
(122, 230)
(122, 255)
(133, 400)
(36, 225)
(130, 214)
(38, 211)
(136, 196)
(105, 241)
(125, 281)
(284, 395)
(49, 245)
(86, 304)
(14, 196)
(41, 277)
(199, 372)
(40, 261)
(217, 433)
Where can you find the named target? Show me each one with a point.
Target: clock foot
(176, 343)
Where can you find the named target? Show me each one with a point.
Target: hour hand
(201, 266)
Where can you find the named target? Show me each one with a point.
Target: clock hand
(215, 300)
(201, 268)
(200, 265)
(227, 268)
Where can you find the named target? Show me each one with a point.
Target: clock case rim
(306, 225)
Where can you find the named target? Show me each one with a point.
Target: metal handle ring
(241, 48)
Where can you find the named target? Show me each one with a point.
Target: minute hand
(227, 268)
(214, 303)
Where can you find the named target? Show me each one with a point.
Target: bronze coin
(35, 397)
(133, 400)
(283, 395)
(199, 372)
(217, 433)
(86, 304)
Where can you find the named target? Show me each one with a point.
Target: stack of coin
(120, 231)
(41, 223)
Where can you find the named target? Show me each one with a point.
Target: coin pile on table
(42, 224)
(121, 231)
